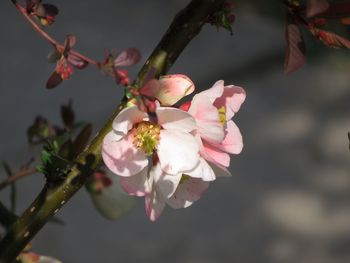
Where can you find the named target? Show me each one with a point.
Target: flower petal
(177, 151)
(216, 156)
(214, 92)
(173, 88)
(165, 184)
(121, 156)
(137, 184)
(126, 118)
(169, 89)
(188, 192)
(233, 142)
(154, 204)
(175, 119)
(232, 99)
(203, 171)
(208, 119)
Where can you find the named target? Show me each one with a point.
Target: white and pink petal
(166, 184)
(214, 92)
(137, 184)
(126, 119)
(177, 151)
(154, 204)
(233, 141)
(203, 171)
(121, 156)
(232, 99)
(175, 119)
(169, 89)
(208, 120)
(215, 155)
(187, 192)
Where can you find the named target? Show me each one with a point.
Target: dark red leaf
(337, 10)
(315, 7)
(54, 80)
(295, 51)
(69, 42)
(82, 139)
(331, 39)
(54, 56)
(128, 57)
(68, 115)
(50, 10)
(76, 61)
(32, 5)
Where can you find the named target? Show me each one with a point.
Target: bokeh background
(289, 198)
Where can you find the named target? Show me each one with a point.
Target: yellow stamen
(146, 136)
(222, 115)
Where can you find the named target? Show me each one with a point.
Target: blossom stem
(47, 37)
(18, 175)
(186, 25)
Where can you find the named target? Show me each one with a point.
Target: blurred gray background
(289, 198)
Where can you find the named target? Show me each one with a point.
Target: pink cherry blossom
(218, 135)
(188, 146)
(127, 148)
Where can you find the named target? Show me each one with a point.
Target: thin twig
(18, 175)
(47, 37)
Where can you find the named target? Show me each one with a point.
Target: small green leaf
(53, 166)
(60, 141)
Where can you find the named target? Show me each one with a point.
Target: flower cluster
(172, 161)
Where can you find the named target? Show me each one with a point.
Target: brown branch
(18, 175)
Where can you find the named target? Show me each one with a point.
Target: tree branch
(186, 25)
(18, 175)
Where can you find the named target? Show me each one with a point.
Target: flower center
(146, 136)
(222, 115)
